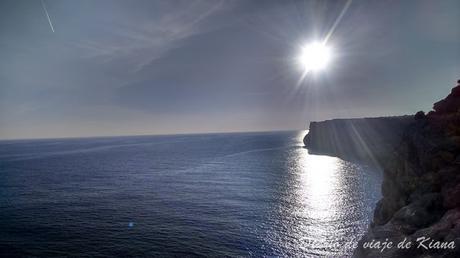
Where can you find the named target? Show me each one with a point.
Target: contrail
(47, 15)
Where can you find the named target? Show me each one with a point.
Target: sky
(196, 66)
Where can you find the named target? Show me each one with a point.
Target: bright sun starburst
(315, 56)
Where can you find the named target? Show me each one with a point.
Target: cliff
(419, 213)
(421, 188)
(360, 139)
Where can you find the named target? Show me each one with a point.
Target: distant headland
(420, 158)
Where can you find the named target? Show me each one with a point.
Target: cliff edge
(419, 213)
(369, 140)
(421, 188)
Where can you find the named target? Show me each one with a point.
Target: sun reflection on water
(318, 180)
(317, 219)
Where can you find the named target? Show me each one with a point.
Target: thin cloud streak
(47, 16)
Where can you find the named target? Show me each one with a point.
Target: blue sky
(160, 67)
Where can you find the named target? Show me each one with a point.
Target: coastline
(363, 140)
(420, 157)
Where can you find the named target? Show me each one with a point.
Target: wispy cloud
(137, 44)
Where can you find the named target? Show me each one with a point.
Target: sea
(214, 195)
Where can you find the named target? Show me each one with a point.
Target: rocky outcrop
(419, 213)
(421, 189)
(360, 139)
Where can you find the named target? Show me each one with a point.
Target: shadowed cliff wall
(420, 157)
(421, 188)
(362, 139)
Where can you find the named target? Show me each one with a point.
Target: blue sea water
(244, 194)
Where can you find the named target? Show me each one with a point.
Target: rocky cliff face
(419, 214)
(361, 139)
(421, 189)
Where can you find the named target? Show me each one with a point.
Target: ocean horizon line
(143, 135)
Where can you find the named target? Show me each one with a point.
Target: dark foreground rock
(419, 214)
(421, 189)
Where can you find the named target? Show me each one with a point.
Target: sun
(314, 56)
